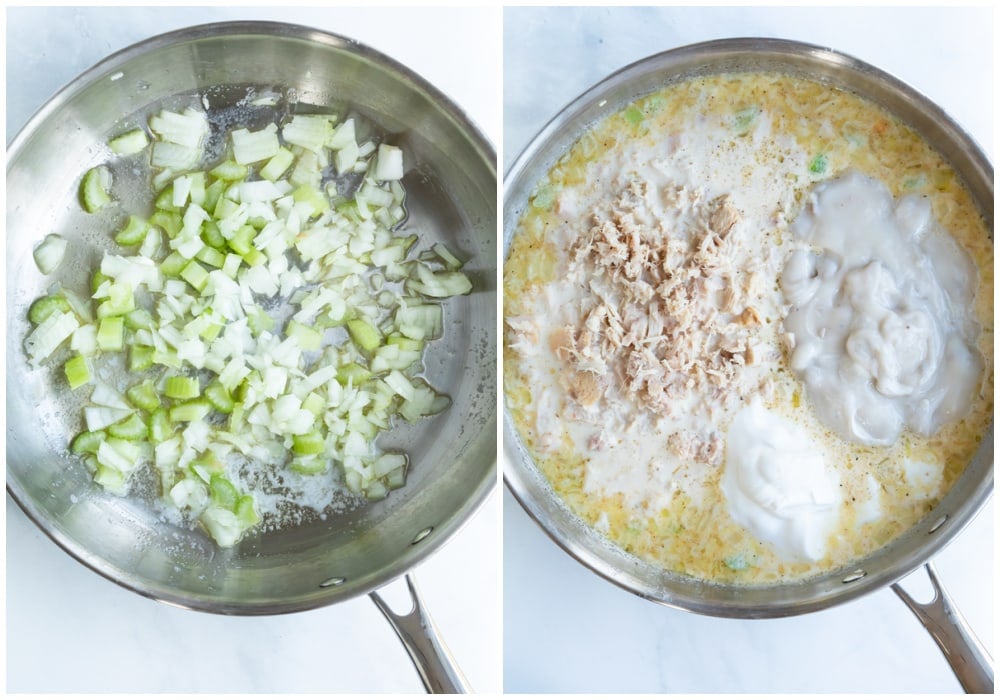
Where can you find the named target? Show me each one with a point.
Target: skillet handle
(970, 661)
(416, 631)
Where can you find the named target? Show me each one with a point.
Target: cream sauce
(880, 321)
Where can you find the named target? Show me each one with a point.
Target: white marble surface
(566, 629)
(68, 629)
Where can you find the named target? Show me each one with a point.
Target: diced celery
(307, 338)
(49, 253)
(310, 464)
(129, 143)
(132, 428)
(246, 511)
(364, 334)
(195, 275)
(77, 371)
(173, 264)
(311, 443)
(134, 232)
(313, 197)
(137, 319)
(229, 170)
(190, 411)
(160, 427)
(180, 387)
(111, 334)
(219, 397)
(87, 442)
(140, 357)
(277, 165)
(354, 373)
(212, 236)
(43, 307)
(94, 189)
(222, 492)
(144, 396)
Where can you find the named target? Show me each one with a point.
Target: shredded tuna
(667, 320)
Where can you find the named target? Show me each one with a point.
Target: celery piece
(195, 275)
(818, 164)
(241, 242)
(173, 264)
(211, 256)
(132, 428)
(87, 442)
(219, 397)
(352, 372)
(43, 307)
(212, 236)
(111, 334)
(307, 338)
(403, 342)
(246, 511)
(110, 478)
(94, 189)
(222, 492)
(229, 170)
(160, 427)
(129, 143)
(180, 387)
(190, 411)
(254, 257)
(312, 196)
(277, 165)
(77, 371)
(49, 253)
(311, 443)
(138, 319)
(309, 464)
(140, 357)
(213, 193)
(144, 396)
(364, 334)
(170, 221)
(120, 301)
(165, 200)
(314, 403)
(134, 232)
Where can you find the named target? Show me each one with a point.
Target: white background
(70, 630)
(568, 630)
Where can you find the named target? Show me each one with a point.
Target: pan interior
(451, 197)
(531, 488)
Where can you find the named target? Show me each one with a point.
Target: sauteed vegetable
(259, 326)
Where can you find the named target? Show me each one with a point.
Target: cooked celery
(192, 307)
(49, 253)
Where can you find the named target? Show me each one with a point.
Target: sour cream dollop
(881, 322)
(777, 485)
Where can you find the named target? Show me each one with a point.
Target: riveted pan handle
(416, 631)
(963, 650)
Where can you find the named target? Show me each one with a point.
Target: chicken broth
(647, 359)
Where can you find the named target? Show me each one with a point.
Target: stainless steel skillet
(881, 568)
(452, 188)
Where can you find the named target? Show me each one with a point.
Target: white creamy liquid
(879, 324)
(777, 484)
